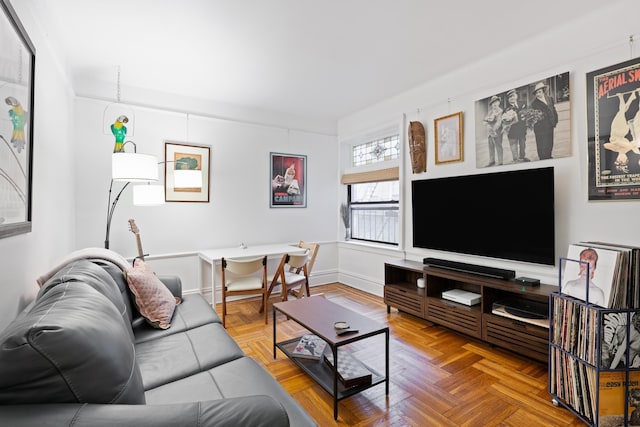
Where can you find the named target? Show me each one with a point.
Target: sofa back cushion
(91, 274)
(120, 280)
(72, 345)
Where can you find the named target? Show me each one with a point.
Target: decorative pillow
(153, 299)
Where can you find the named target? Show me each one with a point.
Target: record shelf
(594, 360)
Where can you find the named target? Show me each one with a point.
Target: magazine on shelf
(351, 371)
(310, 346)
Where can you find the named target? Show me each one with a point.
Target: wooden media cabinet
(528, 337)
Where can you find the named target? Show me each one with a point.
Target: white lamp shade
(187, 178)
(148, 195)
(134, 167)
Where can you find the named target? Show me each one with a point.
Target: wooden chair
(313, 253)
(294, 271)
(244, 281)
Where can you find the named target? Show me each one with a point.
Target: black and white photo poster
(525, 123)
(613, 121)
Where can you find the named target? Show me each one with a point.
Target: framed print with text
(288, 176)
(613, 131)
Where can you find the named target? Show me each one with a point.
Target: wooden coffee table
(318, 315)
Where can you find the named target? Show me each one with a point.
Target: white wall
(599, 40)
(238, 211)
(72, 159)
(26, 256)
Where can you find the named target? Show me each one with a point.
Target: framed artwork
(448, 136)
(524, 124)
(180, 156)
(613, 129)
(16, 124)
(288, 177)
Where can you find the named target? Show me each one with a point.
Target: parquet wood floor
(438, 377)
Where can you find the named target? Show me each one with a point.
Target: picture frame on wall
(288, 176)
(448, 138)
(523, 124)
(181, 156)
(16, 124)
(613, 125)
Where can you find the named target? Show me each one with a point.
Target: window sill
(370, 245)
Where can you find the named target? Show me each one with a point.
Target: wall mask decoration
(417, 147)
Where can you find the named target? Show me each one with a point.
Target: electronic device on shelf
(521, 307)
(527, 281)
(462, 297)
(507, 215)
(497, 273)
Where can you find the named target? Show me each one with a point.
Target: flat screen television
(506, 215)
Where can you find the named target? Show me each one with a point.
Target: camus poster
(288, 180)
(613, 126)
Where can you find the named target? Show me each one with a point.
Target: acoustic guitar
(134, 229)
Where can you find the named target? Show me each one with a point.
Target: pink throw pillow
(154, 300)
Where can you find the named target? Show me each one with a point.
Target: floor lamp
(127, 168)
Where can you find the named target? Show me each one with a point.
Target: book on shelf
(351, 371)
(310, 346)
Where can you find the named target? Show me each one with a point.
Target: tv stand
(529, 337)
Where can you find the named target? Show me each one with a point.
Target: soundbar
(497, 273)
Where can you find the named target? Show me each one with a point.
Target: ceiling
(322, 59)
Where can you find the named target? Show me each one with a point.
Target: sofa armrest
(173, 283)
(243, 411)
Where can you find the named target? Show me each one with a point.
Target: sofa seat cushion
(194, 311)
(239, 377)
(180, 355)
(71, 346)
(254, 411)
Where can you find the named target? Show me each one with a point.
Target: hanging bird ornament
(119, 130)
(19, 119)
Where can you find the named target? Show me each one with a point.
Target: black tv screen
(507, 215)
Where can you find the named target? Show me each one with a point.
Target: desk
(210, 259)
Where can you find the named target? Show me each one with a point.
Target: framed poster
(448, 134)
(16, 124)
(288, 176)
(613, 131)
(524, 124)
(179, 156)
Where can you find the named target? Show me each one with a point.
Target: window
(373, 207)
(380, 150)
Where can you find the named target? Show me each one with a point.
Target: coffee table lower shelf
(323, 373)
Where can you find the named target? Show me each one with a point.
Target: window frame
(355, 206)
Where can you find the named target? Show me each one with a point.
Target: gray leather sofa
(81, 355)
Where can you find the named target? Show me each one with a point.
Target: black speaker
(497, 273)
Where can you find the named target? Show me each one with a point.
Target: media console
(520, 334)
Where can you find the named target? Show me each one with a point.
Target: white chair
(243, 280)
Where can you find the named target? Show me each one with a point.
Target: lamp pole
(110, 208)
